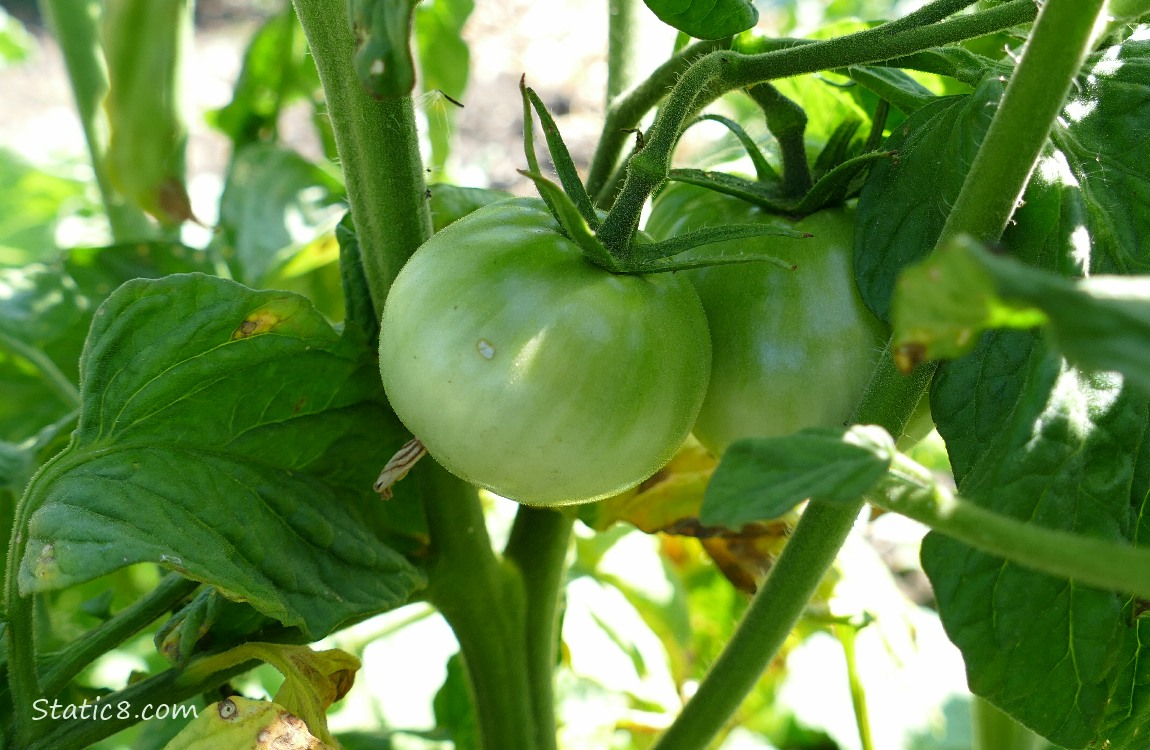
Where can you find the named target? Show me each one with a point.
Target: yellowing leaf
(241, 724)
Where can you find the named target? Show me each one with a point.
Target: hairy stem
(722, 71)
(628, 109)
(889, 400)
(1102, 563)
(1021, 125)
(378, 145)
(538, 546)
(173, 589)
(484, 601)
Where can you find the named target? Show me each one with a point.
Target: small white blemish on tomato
(486, 348)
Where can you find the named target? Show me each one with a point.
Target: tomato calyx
(569, 203)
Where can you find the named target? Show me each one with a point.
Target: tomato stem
(889, 401)
(1051, 58)
(722, 71)
(538, 545)
(484, 601)
(378, 144)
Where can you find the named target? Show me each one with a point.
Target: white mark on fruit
(486, 349)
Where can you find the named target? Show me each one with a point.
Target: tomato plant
(791, 349)
(194, 418)
(529, 371)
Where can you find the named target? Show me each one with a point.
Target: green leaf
(454, 712)
(276, 72)
(274, 203)
(97, 271)
(763, 478)
(15, 41)
(1085, 209)
(1049, 652)
(706, 19)
(894, 85)
(233, 436)
(43, 320)
(218, 623)
(33, 200)
(1099, 323)
(383, 59)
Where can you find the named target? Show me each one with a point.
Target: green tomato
(791, 349)
(527, 370)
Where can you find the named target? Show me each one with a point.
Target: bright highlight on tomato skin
(792, 349)
(529, 371)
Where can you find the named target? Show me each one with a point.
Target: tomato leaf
(706, 19)
(904, 202)
(243, 434)
(271, 208)
(277, 70)
(763, 478)
(1048, 651)
(892, 84)
(1100, 323)
(239, 722)
(454, 710)
(1085, 209)
(383, 60)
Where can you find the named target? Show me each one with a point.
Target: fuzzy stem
(1051, 58)
(538, 546)
(889, 400)
(126, 623)
(484, 601)
(725, 70)
(1102, 563)
(378, 145)
(628, 109)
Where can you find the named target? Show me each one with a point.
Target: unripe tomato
(529, 371)
(791, 349)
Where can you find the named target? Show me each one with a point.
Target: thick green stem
(787, 122)
(621, 27)
(484, 601)
(628, 109)
(79, 654)
(378, 145)
(538, 547)
(889, 401)
(1051, 58)
(725, 70)
(1103, 563)
(775, 609)
(75, 26)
